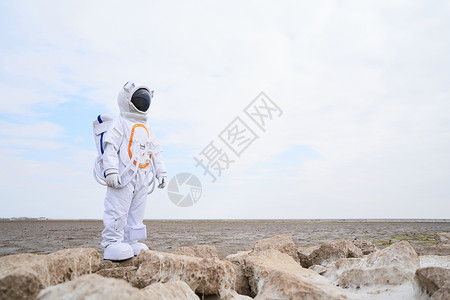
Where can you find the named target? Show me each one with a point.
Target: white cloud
(55, 188)
(40, 130)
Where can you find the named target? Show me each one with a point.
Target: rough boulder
(284, 244)
(393, 265)
(331, 251)
(22, 276)
(442, 238)
(434, 281)
(203, 251)
(206, 276)
(276, 275)
(97, 287)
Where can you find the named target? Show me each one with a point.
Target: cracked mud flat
(228, 236)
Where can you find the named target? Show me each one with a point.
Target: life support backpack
(101, 125)
(138, 159)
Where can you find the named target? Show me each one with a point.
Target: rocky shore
(274, 269)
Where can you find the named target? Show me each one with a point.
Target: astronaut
(129, 142)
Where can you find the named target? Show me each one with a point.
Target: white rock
(233, 295)
(22, 276)
(282, 243)
(393, 265)
(435, 261)
(303, 254)
(331, 251)
(203, 251)
(286, 285)
(91, 287)
(173, 290)
(318, 269)
(434, 280)
(240, 285)
(366, 246)
(205, 276)
(442, 238)
(98, 287)
(276, 275)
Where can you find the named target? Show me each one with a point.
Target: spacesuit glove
(113, 180)
(162, 182)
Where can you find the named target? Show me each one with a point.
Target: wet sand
(228, 236)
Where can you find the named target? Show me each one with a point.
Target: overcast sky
(363, 87)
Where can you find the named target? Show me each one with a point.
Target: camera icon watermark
(184, 190)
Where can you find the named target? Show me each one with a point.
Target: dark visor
(141, 100)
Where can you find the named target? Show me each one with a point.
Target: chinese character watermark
(262, 109)
(212, 159)
(237, 137)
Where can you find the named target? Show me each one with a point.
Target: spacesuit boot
(131, 236)
(138, 247)
(118, 251)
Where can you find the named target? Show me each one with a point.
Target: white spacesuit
(130, 149)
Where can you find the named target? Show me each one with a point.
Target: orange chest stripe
(131, 142)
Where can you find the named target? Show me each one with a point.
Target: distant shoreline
(244, 220)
